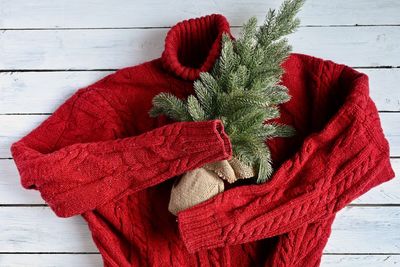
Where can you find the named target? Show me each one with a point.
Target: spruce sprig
(243, 89)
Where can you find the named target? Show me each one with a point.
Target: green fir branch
(243, 88)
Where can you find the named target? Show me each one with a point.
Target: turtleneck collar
(192, 46)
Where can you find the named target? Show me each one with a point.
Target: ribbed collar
(192, 46)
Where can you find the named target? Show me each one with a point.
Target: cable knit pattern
(117, 164)
(100, 155)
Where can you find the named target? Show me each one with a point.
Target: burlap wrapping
(231, 170)
(242, 171)
(193, 188)
(203, 183)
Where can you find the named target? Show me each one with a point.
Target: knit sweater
(100, 155)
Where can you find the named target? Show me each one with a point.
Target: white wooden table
(49, 49)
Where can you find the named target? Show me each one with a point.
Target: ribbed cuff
(199, 225)
(207, 138)
(200, 228)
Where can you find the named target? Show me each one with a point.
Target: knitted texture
(100, 155)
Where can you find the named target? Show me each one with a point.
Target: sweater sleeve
(77, 164)
(333, 167)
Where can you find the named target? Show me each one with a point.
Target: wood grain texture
(391, 127)
(43, 92)
(384, 88)
(157, 13)
(360, 260)
(38, 229)
(117, 48)
(12, 192)
(353, 231)
(365, 230)
(50, 260)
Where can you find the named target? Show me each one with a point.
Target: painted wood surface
(157, 13)
(77, 260)
(117, 48)
(360, 260)
(42, 92)
(49, 49)
(50, 260)
(353, 230)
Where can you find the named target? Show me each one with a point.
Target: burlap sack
(203, 183)
(242, 171)
(193, 188)
(223, 169)
(231, 170)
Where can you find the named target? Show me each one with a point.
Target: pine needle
(243, 89)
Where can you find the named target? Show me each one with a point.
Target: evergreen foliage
(243, 89)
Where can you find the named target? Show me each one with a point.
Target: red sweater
(100, 155)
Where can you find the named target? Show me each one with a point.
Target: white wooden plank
(37, 229)
(386, 193)
(11, 191)
(155, 13)
(384, 88)
(360, 260)
(353, 46)
(51, 260)
(13, 127)
(42, 92)
(117, 48)
(391, 127)
(79, 49)
(365, 230)
(94, 260)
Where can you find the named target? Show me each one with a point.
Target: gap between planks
(153, 13)
(168, 27)
(351, 230)
(105, 70)
(49, 113)
(45, 205)
(98, 253)
(51, 260)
